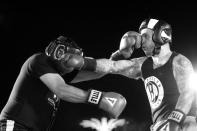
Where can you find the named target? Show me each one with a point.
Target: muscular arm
(64, 91)
(129, 68)
(182, 69)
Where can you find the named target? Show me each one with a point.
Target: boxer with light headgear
(165, 74)
(39, 87)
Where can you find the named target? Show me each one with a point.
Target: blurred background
(26, 28)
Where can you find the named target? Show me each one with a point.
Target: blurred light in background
(103, 124)
(193, 81)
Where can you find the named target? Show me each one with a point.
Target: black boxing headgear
(162, 30)
(60, 46)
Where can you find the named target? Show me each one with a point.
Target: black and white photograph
(80, 66)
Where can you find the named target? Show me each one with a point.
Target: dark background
(26, 28)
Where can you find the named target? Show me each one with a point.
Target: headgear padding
(61, 46)
(162, 30)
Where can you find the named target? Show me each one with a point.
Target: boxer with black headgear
(165, 74)
(60, 50)
(62, 45)
(162, 32)
(39, 87)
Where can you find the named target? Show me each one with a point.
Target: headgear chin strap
(162, 31)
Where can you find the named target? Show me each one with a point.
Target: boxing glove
(172, 123)
(131, 40)
(111, 102)
(73, 60)
(79, 62)
(176, 119)
(117, 55)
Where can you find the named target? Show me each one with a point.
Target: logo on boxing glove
(177, 116)
(94, 96)
(111, 101)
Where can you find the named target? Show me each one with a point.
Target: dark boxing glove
(111, 102)
(79, 62)
(117, 55)
(130, 40)
(73, 60)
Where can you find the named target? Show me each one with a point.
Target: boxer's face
(147, 43)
